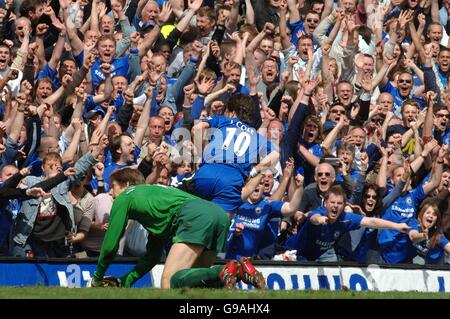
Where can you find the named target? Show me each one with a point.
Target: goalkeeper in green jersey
(198, 230)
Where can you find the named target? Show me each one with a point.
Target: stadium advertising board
(371, 278)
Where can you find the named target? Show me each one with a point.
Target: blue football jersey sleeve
(351, 221)
(276, 206)
(418, 195)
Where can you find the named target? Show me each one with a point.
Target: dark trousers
(51, 249)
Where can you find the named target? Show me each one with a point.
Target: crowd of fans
(352, 95)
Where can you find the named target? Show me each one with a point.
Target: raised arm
(308, 156)
(75, 42)
(328, 7)
(231, 24)
(335, 18)
(194, 6)
(428, 122)
(41, 30)
(436, 172)
(250, 186)
(381, 78)
(288, 172)
(289, 208)
(349, 51)
(268, 161)
(239, 57)
(294, 14)
(19, 118)
(104, 123)
(382, 173)
(397, 191)
(285, 40)
(249, 12)
(57, 51)
(268, 29)
(140, 7)
(435, 11)
(416, 40)
(69, 153)
(149, 39)
(19, 61)
(330, 140)
(387, 119)
(95, 20)
(124, 43)
(144, 118)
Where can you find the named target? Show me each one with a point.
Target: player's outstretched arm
(377, 223)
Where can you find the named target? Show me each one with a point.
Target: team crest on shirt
(409, 201)
(336, 234)
(258, 210)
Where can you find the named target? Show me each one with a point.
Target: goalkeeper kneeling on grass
(198, 230)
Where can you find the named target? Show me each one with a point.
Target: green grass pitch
(41, 292)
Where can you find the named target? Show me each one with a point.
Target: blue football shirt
(255, 218)
(314, 240)
(235, 143)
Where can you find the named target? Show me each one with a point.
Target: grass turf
(41, 292)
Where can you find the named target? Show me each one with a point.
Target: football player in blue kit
(233, 148)
(325, 225)
(394, 246)
(253, 216)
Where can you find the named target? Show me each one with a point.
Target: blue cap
(396, 129)
(147, 26)
(97, 110)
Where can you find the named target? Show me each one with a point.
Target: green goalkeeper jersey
(156, 207)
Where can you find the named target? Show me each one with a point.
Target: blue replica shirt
(79, 59)
(353, 175)
(432, 255)
(169, 139)
(393, 244)
(269, 239)
(242, 89)
(137, 22)
(314, 240)
(235, 143)
(442, 76)
(47, 71)
(108, 157)
(255, 218)
(389, 186)
(119, 67)
(295, 28)
(90, 105)
(108, 170)
(446, 137)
